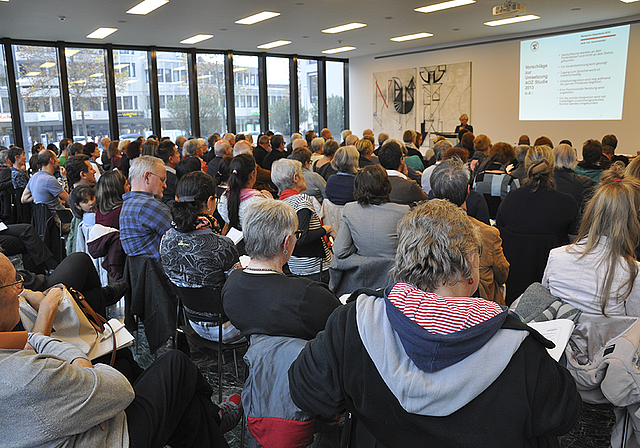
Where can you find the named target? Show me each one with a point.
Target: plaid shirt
(143, 221)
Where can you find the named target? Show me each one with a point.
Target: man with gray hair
(263, 148)
(351, 140)
(316, 149)
(144, 218)
(289, 148)
(438, 149)
(568, 181)
(346, 133)
(196, 147)
(450, 180)
(382, 137)
(218, 167)
(180, 140)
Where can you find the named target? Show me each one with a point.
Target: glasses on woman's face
(19, 281)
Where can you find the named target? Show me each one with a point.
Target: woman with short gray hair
(260, 299)
(339, 188)
(311, 256)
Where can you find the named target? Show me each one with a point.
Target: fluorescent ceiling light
(264, 15)
(624, 1)
(338, 50)
(101, 33)
(120, 66)
(411, 37)
(68, 53)
(511, 20)
(274, 44)
(147, 6)
(4, 0)
(32, 74)
(48, 65)
(444, 5)
(80, 81)
(239, 69)
(346, 27)
(204, 76)
(96, 75)
(197, 38)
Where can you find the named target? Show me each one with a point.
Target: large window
(6, 128)
(211, 94)
(308, 95)
(176, 116)
(244, 69)
(88, 93)
(335, 97)
(132, 93)
(278, 92)
(38, 83)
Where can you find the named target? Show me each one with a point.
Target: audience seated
(492, 181)
(365, 148)
(315, 183)
(597, 274)
(611, 141)
(192, 254)
(323, 166)
(168, 152)
(89, 405)
(311, 255)
(339, 188)
(144, 218)
(534, 219)
(277, 152)
(80, 171)
(263, 177)
(43, 188)
(439, 150)
(519, 171)
(591, 165)
(218, 167)
(403, 190)
(240, 193)
(451, 181)
(367, 235)
(394, 359)
(568, 181)
(480, 153)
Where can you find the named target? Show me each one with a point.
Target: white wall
(494, 95)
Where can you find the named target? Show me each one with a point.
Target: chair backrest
(527, 254)
(201, 304)
(332, 214)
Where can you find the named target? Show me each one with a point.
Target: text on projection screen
(577, 76)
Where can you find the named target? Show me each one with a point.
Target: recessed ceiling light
(147, 6)
(346, 27)
(120, 66)
(511, 20)
(411, 37)
(444, 5)
(68, 53)
(197, 38)
(48, 65)
(338, 50)
(624, 1)
(80, 81)
(32, 74)
(274, 44)
(264, 15)
(96, 75)
(205, 76)
(101, 33)
(4, 0)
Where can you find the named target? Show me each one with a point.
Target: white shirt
(577, 280)
(396, 173)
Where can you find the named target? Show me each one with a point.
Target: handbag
(75, 322)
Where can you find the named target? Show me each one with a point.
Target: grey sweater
(47, 402)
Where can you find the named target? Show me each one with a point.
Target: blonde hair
(612, 212)
(540, 163)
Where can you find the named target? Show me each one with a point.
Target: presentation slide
(577, 76)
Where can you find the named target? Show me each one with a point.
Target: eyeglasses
(298, 234)
(19, 280)
(162, 179)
